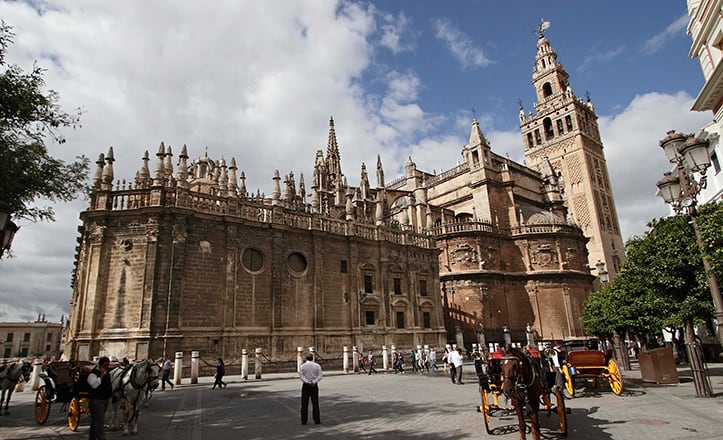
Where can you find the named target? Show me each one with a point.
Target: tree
(662, 284)
(30, 116)
(710, 222)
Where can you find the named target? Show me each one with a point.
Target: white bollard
(345, 359)
(178, 368)
(35, 376)
(355, 358)
(194, 367)
(244, 364)
(299, 358)
(385, 358)
(257, 365)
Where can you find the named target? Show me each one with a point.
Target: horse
(9, 377)
(131, 385)
(523, 384)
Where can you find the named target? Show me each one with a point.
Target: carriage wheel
(74, 414)
(42, 405)
(486, 409)
(615, 377)
(569, 380)
(561, 412)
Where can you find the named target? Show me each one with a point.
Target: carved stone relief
(464, 254)
(544, 256)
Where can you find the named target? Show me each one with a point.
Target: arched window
(546, 89)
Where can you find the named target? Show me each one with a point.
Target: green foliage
(661, 284)
(710, 223)
(29, 116)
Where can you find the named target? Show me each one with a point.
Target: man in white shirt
(558, 361)
(455, 363)
(310, 375)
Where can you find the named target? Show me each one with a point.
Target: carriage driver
(558, 360)
(100, 393)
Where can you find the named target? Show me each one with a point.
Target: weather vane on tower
(544, 25)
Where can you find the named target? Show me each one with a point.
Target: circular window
(297, 262)
(252, 260)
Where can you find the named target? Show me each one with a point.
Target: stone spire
(242, 188)
(302, 189)
(476, 137)
(168, 165)
(276, 192)
(333, 158)
(143, 176)
(380, 173)
(107, 180)
(158, 174)
(98, 177)
(182, 173)
(232, 186)
(223, 177)
(364, 185)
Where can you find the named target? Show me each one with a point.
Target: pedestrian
(310, 375)
(166, 369)
(371, 360)
(99, 395)
(413, 359)
(558, 360)
(220, 372)
(445, 359)
(433, 358)
(455, 364)
(362, 363)
(398, 362)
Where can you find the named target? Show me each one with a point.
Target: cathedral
(185, 258)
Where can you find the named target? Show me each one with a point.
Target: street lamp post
(7, 229)
(680, 190)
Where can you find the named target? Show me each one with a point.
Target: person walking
(413, 360)
(455, 365)
(433, 358)
(310, 375)
(362, 363)
(220, 372)
(558, 360)
(166, 368)
(371, 360)
(99, 395)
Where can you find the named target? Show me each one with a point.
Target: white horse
(9, 378)
(131, 385)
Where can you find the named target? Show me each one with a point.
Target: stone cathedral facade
(185, 258)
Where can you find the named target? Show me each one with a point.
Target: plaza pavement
(389, 406)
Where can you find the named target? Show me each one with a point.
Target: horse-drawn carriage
(594, 365)
(67, 383)
(64, 383)
(518, 376)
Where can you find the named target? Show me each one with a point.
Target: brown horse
(522, 384)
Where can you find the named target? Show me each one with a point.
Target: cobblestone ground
(390, 406)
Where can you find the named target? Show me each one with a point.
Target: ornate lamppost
(680, 190)
(7, 229)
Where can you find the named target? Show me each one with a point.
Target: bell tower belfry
(563, 132)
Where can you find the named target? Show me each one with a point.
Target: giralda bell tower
(563, 129)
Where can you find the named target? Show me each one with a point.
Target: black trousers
(310, 391)
(97, 409)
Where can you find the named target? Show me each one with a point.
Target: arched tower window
(546, 89)
(547, 123)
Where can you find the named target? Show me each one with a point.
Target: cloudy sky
(258, 81)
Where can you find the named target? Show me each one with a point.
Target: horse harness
(517, 384)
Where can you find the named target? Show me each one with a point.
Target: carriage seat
(586, 358)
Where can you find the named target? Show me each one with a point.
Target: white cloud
(460, 45)
(397, 33)
(674, 30)
(600, 57)
(635, 161)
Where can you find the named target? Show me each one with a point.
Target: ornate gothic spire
(182, 173)
(380, 173)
